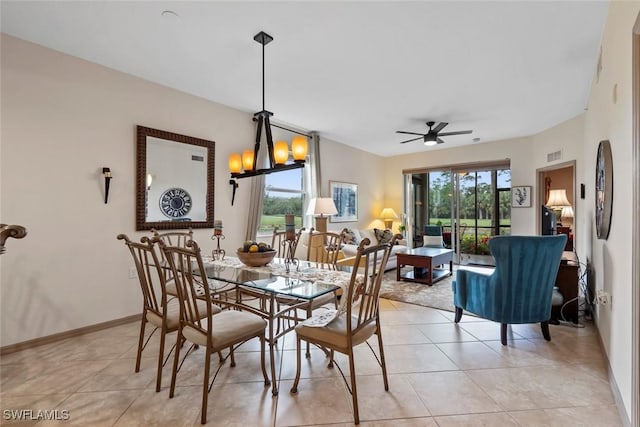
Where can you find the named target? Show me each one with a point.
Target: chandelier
(244, 165)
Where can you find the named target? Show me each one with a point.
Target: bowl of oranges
(255, 254)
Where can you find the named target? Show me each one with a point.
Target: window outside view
(283, 195)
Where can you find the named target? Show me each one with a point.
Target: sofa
(350, 245)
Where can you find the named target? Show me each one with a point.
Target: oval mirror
(174, 181)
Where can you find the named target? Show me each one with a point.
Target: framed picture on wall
(521, 196)
(345, 196)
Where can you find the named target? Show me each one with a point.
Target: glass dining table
(280, 293)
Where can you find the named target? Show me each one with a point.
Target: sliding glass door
(471, 205)
(483, 210)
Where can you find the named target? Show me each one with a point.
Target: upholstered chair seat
(173, 314)
(228, 325)
(335, 334)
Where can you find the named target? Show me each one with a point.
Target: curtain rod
(290, 130)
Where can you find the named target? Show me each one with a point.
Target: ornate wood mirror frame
(174, 180)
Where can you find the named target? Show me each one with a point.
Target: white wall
(612, 119)
(63, 119)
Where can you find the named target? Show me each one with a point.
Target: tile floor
(440, 374)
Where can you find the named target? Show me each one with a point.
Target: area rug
(439, 295)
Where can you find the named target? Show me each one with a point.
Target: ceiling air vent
(556, 155)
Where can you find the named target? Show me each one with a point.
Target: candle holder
(289, 255)
(290, 242)
(218, 253)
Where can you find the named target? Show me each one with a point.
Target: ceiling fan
(433, 136)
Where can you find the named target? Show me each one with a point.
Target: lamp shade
(388, 213)
(558, 199)
(322, 206)
(247, 160)
(235, 163)
(280, 152)
(567, 212)
(299, 147)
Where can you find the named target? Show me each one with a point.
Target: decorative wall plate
(175, 203)
(604, 189)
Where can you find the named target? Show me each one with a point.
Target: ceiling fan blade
(461, 132)
(409, 140)
(440, 126)
(409, 133)
(440, 141)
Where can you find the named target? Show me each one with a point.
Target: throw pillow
(383, 236)
(350, 237)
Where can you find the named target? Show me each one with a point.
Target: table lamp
(558, 200)
(567, 213)
(321, 208)
(388, 215)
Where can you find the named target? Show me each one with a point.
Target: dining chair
(358, 318)
(171, 238)
(433, 236)
(198, 325)
(324, 248)
(279, 243)
(158, 308)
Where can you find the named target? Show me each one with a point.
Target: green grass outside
(468, 222)
(267, 222)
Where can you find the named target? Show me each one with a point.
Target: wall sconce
(149, 181)
(235, 186)
(107, 179)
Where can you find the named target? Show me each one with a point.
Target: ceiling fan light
(430, 139)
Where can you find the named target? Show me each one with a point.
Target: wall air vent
(556, 155)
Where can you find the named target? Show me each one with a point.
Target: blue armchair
(519, 289)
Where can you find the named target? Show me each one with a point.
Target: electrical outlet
(603, 298)
(133, 273)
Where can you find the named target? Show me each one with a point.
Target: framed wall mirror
(174, 180)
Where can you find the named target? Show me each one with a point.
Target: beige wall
(609, 118)
(346, 164)
(63, 119)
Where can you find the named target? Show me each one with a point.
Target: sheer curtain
(255, 206)
(312, 177)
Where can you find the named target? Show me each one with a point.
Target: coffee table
(424, 261)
